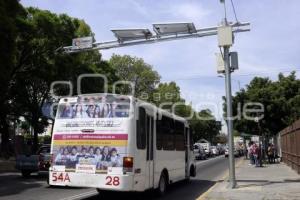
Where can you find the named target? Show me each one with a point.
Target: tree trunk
(4, 130)
(35, 139)
(34, 123)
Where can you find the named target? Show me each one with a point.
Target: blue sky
(271, 46)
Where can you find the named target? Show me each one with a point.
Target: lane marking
(79, 196)
(224, 177)
(209, 159)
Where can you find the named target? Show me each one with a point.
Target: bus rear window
(95, 107)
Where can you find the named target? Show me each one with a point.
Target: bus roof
(161, 111)
(73, 99)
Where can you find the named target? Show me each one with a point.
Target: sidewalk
(275, 181)
(7, 165)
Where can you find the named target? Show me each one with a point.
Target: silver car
(199, 152)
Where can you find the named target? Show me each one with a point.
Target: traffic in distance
(203, 150)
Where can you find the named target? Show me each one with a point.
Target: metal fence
(290, 146)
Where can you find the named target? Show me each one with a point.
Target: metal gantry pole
(232, 181)
(210, 31)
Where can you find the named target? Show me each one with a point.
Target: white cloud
(192, 11)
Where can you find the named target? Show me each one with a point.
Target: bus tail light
(128, 164)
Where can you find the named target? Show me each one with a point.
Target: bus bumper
(102, 181)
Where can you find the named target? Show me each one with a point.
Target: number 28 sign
(112, 180)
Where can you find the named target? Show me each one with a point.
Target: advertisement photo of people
(101, 157)
(95, 107)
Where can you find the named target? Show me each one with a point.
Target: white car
(214, 151)
(208, 152)
(199, 152)
(236, 153)
(226, 153)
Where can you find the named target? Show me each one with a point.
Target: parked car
(221, 149)
(214, 151)
(236, 153)
(226, 153)
(28, 164)
(208, 152)
(199, 152)
(240, 150)
(206, 147)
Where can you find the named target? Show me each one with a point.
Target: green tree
(11, 12)
(281, 104)
(221, 138)
(138, 72)
(204, 125)
(39, 64)
(167, 96)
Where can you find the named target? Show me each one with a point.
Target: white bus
(117, 142)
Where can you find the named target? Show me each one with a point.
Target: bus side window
(179, 136)
(168, 133)
(159, 134)
(141, 129)
(190, 131)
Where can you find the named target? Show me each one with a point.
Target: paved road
(13, 186)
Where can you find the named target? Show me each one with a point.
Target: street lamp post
(229, 118)
(225, 41)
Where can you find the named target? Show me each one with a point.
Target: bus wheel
(162, 185)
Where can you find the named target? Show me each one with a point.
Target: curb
(2, 171)
(224, 177)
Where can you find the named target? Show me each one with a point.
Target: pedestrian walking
(245, 151)
(251, 153)
(271, 154)
(256, 154)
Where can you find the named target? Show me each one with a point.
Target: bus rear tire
(162, 185)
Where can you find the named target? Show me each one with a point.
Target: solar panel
(132, 34)
(174, 28)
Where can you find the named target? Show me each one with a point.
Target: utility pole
(229, 118)
(225, 40)
(227, 65)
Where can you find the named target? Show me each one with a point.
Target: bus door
(149, 156)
